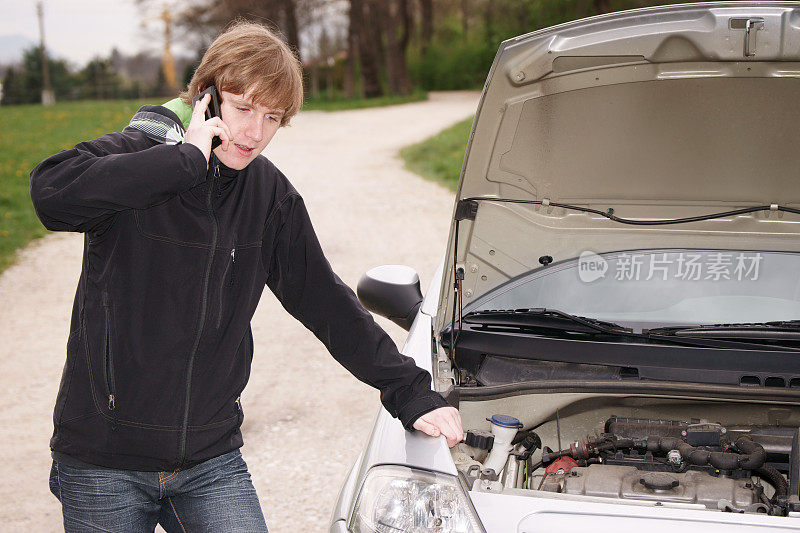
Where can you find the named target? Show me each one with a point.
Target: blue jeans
(216, 495)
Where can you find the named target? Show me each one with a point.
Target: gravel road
(306, 417)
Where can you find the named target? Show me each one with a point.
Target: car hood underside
(684, 112)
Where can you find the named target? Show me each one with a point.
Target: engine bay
(726, 466)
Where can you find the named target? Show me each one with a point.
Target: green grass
(30, 133)
(439, 158)
(338, 103)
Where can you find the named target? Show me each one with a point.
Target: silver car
(617, 315)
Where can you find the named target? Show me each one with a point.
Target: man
(180, 240)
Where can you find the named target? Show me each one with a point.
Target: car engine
(734, 469)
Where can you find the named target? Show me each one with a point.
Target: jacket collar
(159, 123)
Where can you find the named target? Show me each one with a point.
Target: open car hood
(651, 114)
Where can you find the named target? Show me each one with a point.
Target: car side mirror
(391, 291)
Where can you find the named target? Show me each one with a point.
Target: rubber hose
(752, 457)
(775, 479)
(755, 455)
(529, 440)
(521, 434)
(584, 451)
(616, 444)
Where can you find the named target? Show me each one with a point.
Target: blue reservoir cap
(505, 421)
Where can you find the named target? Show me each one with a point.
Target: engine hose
(587, 448)
(529, 441)
(775, 479)
(615, 445)
(750, 457)
(752, 454)
(522, 434)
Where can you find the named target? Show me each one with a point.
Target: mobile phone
(212, 110)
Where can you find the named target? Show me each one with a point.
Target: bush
(463, 65)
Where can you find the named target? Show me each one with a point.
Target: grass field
(31, 133)
(439, 158)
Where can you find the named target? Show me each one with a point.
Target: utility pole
(48, 97)
(167, 61)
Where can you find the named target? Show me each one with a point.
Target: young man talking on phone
(180, 240)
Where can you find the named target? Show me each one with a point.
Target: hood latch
(751, 28)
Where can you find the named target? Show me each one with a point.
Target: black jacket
(175, 260)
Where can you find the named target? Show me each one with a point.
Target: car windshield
(653, 288)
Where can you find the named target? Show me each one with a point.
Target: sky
(78, 30)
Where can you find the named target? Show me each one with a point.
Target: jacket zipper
(108, 360)
(202, 319)
(233, 266)
(229, 266)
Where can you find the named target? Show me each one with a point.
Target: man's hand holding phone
(203, 131)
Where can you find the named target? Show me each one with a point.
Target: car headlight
(398, 498)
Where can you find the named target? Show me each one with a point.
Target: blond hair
(249, 56)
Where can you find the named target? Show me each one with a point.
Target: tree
(352, 54)
(12, 87)
(396, 70)
(99, 79)
(206, 18)
(370, 71)
(288, 11)
(465, 18)
(24, 85)
(427, 24)
(407, 24)
(602, 6)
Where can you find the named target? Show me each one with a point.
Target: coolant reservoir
(504, 428)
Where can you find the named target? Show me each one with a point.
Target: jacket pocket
(108, 354)
(227, 282)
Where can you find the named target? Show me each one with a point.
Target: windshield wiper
(541, 318)
(548, 321)
(778, 330)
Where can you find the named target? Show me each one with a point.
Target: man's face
(252, 127)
